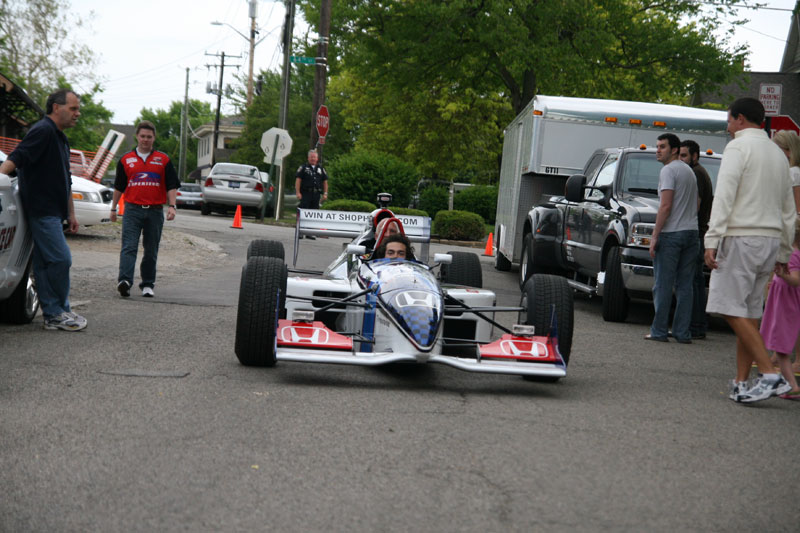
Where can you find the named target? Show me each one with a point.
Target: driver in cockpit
(395, 246)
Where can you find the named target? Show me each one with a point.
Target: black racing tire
(501, 262)
(540, 294)
(616, 301)
(464, 270)
(205, 209)
(262, 297)
(22, 305)
(266, 248)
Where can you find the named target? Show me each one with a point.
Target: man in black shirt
(45, 185)
(690, 154)
(310, 182)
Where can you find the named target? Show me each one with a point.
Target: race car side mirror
(356, 249)
(442, 259)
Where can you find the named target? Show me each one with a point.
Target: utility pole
(253, 33)
(288, 30)
(321, 73)
(184, 130)
(219, 103)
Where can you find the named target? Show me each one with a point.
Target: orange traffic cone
(121, 205)
(237, 218)
(489, 245)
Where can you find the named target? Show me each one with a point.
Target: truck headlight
(641, 234)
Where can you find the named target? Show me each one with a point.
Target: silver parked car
(189, 195)
(231, 184)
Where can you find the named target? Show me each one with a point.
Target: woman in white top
(789, 142)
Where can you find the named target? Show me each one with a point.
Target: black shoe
(697, 336)
(124, 288)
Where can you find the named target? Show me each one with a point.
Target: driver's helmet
(386, 227)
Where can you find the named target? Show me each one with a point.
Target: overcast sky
(145, 46)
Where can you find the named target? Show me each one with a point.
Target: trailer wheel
(464, 270)
(540, 294)
(261, 299)
(22, 305)
(501, 262)
(265, 248)
(615, 297)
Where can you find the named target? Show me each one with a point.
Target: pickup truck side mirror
(573, 191)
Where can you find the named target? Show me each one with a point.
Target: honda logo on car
(305, 334)
(524, 348)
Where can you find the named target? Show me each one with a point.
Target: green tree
(38, 46)
(92, 125)
(168, 129)
(628, 49)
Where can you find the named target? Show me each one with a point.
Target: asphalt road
(146, 421)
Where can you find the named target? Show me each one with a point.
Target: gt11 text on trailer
(555, 136)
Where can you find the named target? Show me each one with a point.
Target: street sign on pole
(782, 122)
(323, 121)
(769, 94)
(303, 59)
(276, 143)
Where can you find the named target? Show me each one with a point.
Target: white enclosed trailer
(554, 137)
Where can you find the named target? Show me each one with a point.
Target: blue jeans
(699, 323)
(674, 264)
(148, 223)
(51, 263)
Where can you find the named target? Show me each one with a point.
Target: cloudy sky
(145, 46)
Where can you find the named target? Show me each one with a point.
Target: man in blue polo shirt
(45, 185)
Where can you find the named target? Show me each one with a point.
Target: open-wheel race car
(363, 310)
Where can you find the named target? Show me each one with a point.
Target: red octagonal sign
(323, 120)
(782, 122)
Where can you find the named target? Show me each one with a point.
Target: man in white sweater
(749, 234)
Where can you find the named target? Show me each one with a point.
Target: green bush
(409, 211)
(349, 205)
(459, 226)
(361, 175)
(433, 199)
(480, 199)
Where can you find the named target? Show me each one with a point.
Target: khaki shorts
(744, 266)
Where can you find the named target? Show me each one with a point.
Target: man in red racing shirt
(148, 179)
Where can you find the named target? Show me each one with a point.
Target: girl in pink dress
(780, 325)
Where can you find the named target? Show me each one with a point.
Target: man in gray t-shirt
(673, 246)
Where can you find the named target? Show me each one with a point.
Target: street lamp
(253, 43)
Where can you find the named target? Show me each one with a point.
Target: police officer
(311, 182)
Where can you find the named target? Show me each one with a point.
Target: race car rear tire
(22, 305)
(615, 297)
(262, 297)
(266, 248)
(540, 294)
(464, 270)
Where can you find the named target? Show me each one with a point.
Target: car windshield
(236, 170)
(641, 173)
(711, 164)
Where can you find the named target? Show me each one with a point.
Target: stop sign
(323, 120)
(782, 122)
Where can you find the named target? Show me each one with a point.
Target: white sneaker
(147, 292)
(65, 322)
(736, 388)
(762, 389)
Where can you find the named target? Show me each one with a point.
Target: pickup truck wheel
(22, 305)
(262, 296)
(265, 248)
(615, 297)
(527, 262)
(501, 262)
(464, 270)
(205, 209)
(540, 294)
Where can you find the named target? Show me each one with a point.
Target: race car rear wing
(349, 225)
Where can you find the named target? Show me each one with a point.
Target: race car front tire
(464, 270)
(266, 248)
(540, 294)
(262, 297)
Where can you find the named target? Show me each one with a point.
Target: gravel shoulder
(95, 258)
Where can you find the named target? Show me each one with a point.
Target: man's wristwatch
(173, 206)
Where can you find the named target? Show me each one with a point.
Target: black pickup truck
(598, 234)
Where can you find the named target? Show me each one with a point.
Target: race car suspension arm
(462, 305)
(347, 300)
(333, 302)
